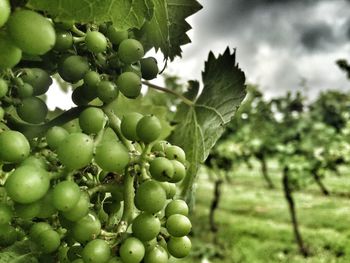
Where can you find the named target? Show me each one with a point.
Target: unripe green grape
(161, 169)
(132, 250)
(73, 68)
(64, 24)
(112, 156)
(48, 241)
(145, 227)
(80, 210)
(66, 195)
(5, 214)
(3, 87)
(2, 113)
(150, 197)
(14, 147)
(27, 211)
(32, 110)
(96, 251)
(178, 225)
(128, 125)
(172, 191)
(72, 126)
(148, 129)
(149, 68)
(8, 235)
(10, 54)
(55, 135)
(179, 171)
(24, 91)
(92, 78)
(157, 255)
(78, 96)
(37, 228)
(47, 208)
(115, 260)
(76, 151)
(37, 161)
(174, 152)
(176, 207)
(160, 146)
(107, 91)
(64, 40)
(31, 32)
(87, 228)
(38, 78)
(179, 247)
(111, 206)
(129, 83)
(95, 41)
(130, 51)
(92, 120)
(5, 11)
(27, 184)
(116, 36)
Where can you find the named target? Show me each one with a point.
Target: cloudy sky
(281, 44)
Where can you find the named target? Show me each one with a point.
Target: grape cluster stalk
(83, 185)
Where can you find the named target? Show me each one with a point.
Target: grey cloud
(317, 37)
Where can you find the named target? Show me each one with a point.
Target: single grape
(64, 24)
(27, 211)
(55, 135)
(37, 161)
(150, 197)
(176, 207)
(116, 36)
(14, 147)
(80, 210)
(38, 78)
(3, 87)
(129, 84)
(128, 125)
(145, 226)
(27, 184)
(72, 126)
(157, 255)
(76, 150)
(132, 250)
(161, 169)
(8, 235)
(10, 54)
(178, 225)
(73, 68)
(91, 79)
(179, 247)
(96, 251)
(179, 171)
(48, 241)
(66, 195)
(32, 110)
(95, 42)
(130, 51)
(31, 32)
(37, 228)
(78, 96)
(87, 228)
(149, 128)
(174, 152)
(111, 206)
(5, 11)
(24, 91)
(5, 214)
(115, 260)
(112, 156)
(64, 40)
(149, 68)
(172, 191)
(92, 120)
(107, 91)
(160, 146)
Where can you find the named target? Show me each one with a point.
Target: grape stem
(183, 98)
(77, 31)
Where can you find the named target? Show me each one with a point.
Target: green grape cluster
(85, 186)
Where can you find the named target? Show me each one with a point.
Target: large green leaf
(167, 28)
(199, 126)
(124, 14)
(20, 252)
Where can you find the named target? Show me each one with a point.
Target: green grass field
(254, 222)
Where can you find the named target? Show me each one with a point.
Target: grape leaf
(167, 28)
(124, 14)
(19, 252)
(199, 126)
